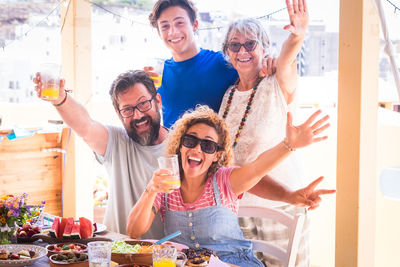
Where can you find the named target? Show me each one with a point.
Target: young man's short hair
(162, 5)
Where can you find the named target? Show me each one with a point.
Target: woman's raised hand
(158, 184)
(298, 16)
(306, 133)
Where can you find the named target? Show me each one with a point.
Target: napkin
(215, 262)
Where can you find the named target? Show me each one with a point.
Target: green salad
(122, 247)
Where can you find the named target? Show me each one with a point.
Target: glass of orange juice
(171, 163)
(166, 256)
(50, 78)
(158, 65)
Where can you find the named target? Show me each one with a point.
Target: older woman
(255, 110)
(205, 207)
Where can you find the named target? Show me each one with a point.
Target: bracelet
(288, 147)
(62, 102)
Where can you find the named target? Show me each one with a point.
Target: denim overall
(215, 228)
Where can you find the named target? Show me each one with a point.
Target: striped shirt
(206, 199)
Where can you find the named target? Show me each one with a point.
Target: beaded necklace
(247, 110)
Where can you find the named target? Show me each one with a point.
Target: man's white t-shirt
(130, 167)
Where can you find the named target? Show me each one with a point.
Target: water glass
(171, 163)
(99, 254)
(50, 77)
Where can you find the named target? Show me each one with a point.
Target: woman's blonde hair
(202, 114)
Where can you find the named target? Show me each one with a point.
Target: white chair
(294, 224)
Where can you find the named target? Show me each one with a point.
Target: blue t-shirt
(202, 79)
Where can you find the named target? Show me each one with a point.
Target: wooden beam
(77, 70)
(357, 132)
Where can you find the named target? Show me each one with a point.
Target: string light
(68, 2)
(33, 27)
(66, 14)
(117, 15)
(395, 7)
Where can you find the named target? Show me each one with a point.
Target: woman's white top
(264, 128)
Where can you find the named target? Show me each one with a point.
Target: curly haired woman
(205, 207)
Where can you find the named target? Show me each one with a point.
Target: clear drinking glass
(158, 65)
(167, 256)
(171, 163)
(50, 77)
(99, 254)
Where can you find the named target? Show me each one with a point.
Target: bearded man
(130, 153)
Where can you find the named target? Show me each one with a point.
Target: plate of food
(65, 230)
(71, 259)
(198, 258)
(25, 233)
(66, 248)
(20, 255)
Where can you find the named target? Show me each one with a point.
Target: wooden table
(44, 261)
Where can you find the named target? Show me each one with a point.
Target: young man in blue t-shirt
(193, 75)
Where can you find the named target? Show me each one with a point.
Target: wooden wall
(27, 165)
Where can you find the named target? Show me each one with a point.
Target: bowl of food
(69, 259)
(132, 251)
(65, 248)
(25, 233)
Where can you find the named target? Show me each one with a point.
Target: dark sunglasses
(207, 146)
(249, 46)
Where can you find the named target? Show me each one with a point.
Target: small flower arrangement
(14, 212)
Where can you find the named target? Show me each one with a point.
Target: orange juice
(50, 93)
(157, 84)
(175, 184)
(163, 262)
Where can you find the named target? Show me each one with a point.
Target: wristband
(62, 102)
(288, 147)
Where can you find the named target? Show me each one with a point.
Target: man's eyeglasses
(249, 46)
(207, 146)
(142, 107)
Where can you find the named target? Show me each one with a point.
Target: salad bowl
(131, 251)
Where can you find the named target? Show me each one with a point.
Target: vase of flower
(8, 235)
(13, 212)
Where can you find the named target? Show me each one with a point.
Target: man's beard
(145, 138)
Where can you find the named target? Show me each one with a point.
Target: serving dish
(134, 258)
(62, 248)
(55, 263)
(14, 248)
(51, 240)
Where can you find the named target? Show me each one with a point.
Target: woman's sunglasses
(249, 46)
(207, 146)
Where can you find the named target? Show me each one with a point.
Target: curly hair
(202, 114)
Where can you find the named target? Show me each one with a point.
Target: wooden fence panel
(34, 165)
